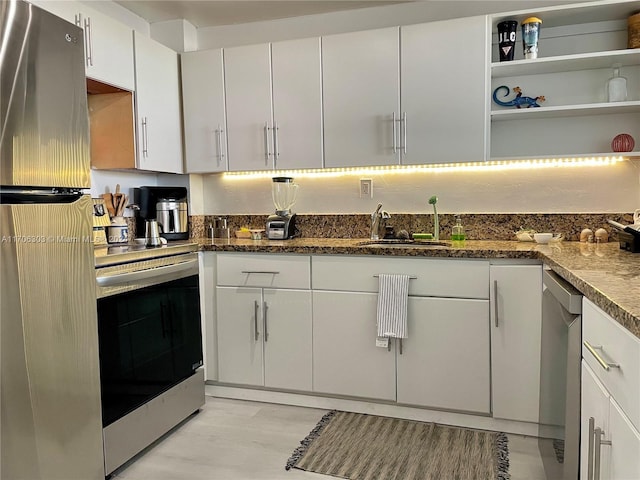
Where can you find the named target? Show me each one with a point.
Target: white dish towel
(393, 296)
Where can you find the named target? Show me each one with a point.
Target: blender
(281, 225)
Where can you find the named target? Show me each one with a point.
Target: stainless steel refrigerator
(50, 425)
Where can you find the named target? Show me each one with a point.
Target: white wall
(105, 181)
(612, 188)
(359, 19)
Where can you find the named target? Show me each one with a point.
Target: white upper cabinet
(443, 89)
(361, 84)
(248, 93)
(274, 117)
(204, 112)
(297, 103)
(107, 43)
(158, 127)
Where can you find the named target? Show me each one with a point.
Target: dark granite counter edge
(630, 321)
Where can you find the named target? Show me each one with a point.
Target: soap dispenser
(457, 232)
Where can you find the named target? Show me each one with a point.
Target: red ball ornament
(622, 143)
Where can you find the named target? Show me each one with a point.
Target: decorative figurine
(519, 100)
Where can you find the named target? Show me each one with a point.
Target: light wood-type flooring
(241, 440)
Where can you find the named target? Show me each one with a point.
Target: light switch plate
(366, 188)
(382, 342)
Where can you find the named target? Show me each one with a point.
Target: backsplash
(477, 226)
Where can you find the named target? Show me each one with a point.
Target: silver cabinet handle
(78, 19)
(264, 319)
(598, 442)
(592, 423)
(145, 138)
(220, 151)
(394, 133)
(267, 150)
(592, 349)
(255, 320)
(89, 38)
(495, 301)
(403, 127)
(276, 146)
(265, 272)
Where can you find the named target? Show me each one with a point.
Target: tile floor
(240, 440)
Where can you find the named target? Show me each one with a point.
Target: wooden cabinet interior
(111, 127)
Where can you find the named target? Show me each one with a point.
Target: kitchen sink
(405, 243)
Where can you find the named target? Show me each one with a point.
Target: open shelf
(628, 155)
(566, 111)
(566, 63)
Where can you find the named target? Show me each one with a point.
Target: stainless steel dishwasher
(560, 357)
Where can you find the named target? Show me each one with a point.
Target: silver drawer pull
(592, 349)
(598, 442)
(264, 272)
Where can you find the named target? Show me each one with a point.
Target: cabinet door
(516, 315)
(240, 333)
(204, 116)
(108, 49)
(361, 85)
(158, 128)
(444, 91)
(594, 404)
(444, 362)
(297, 103)
(625, 445)
(67, 9)
(346, 360)
(287, 339)
(107, 42)
(247, 75)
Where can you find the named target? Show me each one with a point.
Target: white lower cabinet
(516, 316)
(240, 345)
(610, 398)
(444, 362)
(610, 444)
(346, 360)
(264, 337)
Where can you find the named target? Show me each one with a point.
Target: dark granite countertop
(606, 275)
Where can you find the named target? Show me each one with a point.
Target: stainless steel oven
(149, 333)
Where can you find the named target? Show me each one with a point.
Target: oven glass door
(150, 340)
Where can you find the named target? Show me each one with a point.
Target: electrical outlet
(366, 188)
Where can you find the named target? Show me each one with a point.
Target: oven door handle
(121, 278)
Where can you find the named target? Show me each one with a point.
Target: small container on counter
(586, 235)
(601, 236)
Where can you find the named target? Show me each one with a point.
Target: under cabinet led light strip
(454, 167)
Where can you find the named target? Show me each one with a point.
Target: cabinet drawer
(276, 271)
(434, 277)
(614, 344)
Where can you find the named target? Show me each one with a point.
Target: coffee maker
(282, 224)
(166, 205)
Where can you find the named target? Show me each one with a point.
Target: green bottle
(457, 232)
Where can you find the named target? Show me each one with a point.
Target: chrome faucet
(376, 218)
